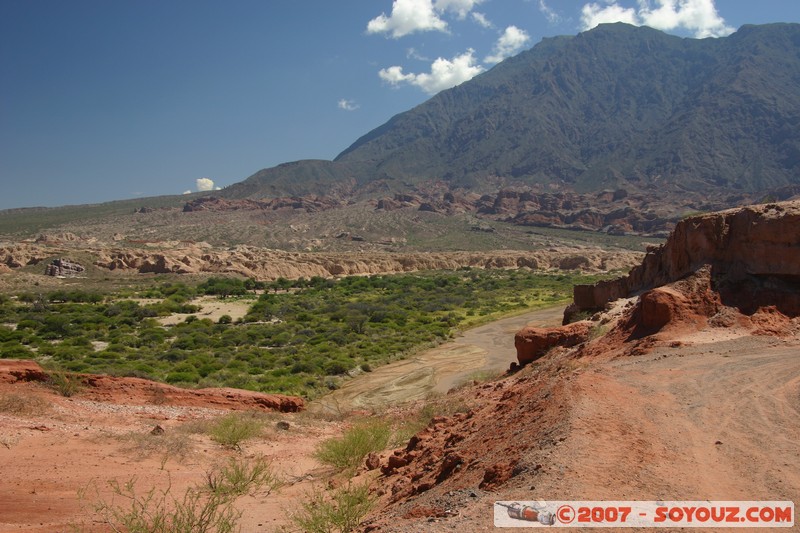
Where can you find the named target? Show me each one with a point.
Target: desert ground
(712, 415)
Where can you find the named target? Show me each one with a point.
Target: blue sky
(104, 100)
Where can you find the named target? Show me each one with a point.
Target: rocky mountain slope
(616, 107)
(619, 129)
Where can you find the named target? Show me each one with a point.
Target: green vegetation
(340, 510)
(202, 508)
(299, 337)
(63, 383)
(234, 428)
(238, 477)
(348, 451)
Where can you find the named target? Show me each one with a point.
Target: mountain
(616, 107)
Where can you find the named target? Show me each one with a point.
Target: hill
(619, 130)
(614, 107)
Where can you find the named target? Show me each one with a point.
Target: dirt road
(488, 348)
(717, 421)
(713, 421)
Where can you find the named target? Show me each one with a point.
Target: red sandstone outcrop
(137, 391)
(13, 370)
(753, 254)
(609, 211)
(532, 343)
(735, 268)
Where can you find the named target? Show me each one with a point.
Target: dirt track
(711, 421)
(715, 421)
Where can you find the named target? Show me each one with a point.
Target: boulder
(532, 343)
(64, 268)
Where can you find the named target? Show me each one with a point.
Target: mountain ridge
(614, 107)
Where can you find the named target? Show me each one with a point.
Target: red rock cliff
(753, 253)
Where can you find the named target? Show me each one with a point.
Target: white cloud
(445, 73)
(697, 16)
(408, 16)
(460, 7)
(412, 53)
(550, 14)
(594, 14)
(204, 184)
(481, 19)
(347, 105)
(510, 42)
(394, 75)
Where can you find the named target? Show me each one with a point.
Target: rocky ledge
(753, 254)
(736, 269)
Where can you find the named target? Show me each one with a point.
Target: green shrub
(182, 377)
(342, 510)
(239, 476)
(234, 428)
(197, 510)
(64, 383)
(348, 451)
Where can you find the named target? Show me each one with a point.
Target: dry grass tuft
(23, 404)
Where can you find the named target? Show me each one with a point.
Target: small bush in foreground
(348, 451)
(234, 428)
(239, 477)
(169, 445)
(63, 383)
(160, 512)
(200, 509)
(340, 511)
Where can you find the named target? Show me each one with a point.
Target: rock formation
(753, 254)
(65, 268)
(309, 204)
(532, 343)
(735, 268)
(14, 370)
(609, 211)
(266, 264)
(137, 391)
